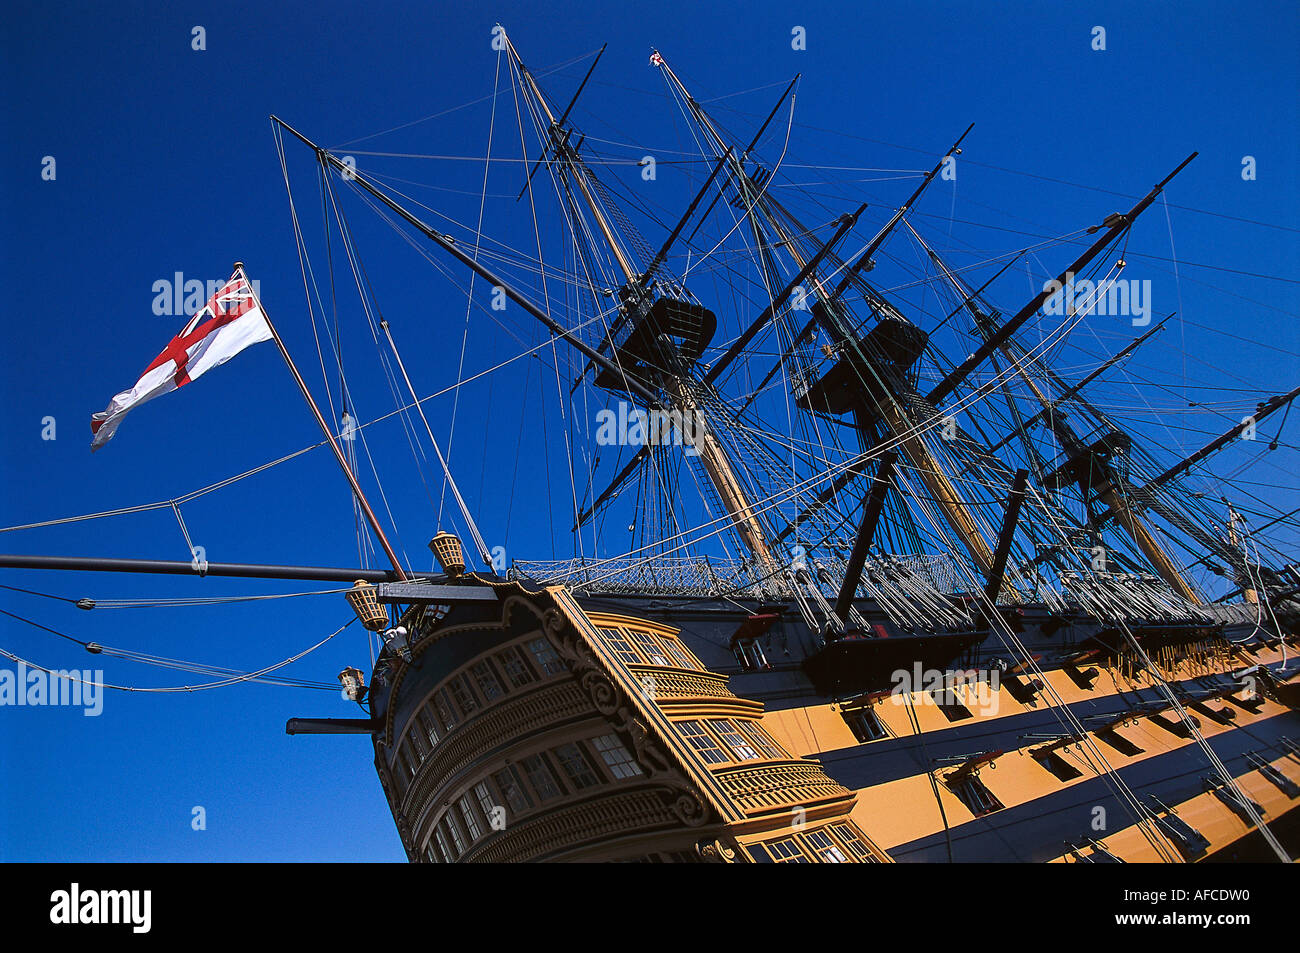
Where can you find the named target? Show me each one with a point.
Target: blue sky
(165, 163)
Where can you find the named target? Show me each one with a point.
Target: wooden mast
(713, 456)
(936, 482)
(1108, 493)
(1114, 225)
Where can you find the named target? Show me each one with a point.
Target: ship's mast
(1108, 490)
(675, 379)
(997, 338)
(1147, 490)
(569, 156)
(955, 510)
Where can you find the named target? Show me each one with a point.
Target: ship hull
(539, 724)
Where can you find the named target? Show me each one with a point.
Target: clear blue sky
(165, 163)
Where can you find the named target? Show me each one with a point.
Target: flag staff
(329, 435)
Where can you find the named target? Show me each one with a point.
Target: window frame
(854, 841)
(649, 647)
(546, 657)
(699, 725)
(416, 740)
(614, 768)
(618, 642)
(516, 785)
(504, 658)
(443, 845)
(978, 798)
(549, 773)
(467, 703)
(409, 767)
(1058, 767)
(487, 805)
(458, 841)
(679, 653)
(869, 718)
(742, 650)
(954, 708)
(445, 710)
(797, 857)
(587, 769)
(763, 742)
(425, 720)
(490, 674)
(473, 827)
(822, 850)
(724, 728)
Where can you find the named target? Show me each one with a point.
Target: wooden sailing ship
(943, 632)
(664, 707)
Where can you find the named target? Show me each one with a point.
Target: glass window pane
(617, 758)
(761, 740)
(702, 742)
(428, 726)
(465, 700)
(446, 713)
(649, 647)
(576, 767)
(825, 848)
(486, 680)
(443, 843)
(512, 790)
(487, 804)
(419, 743)
(540, 777)
(785, 852)
(680, 656)
(545, 656)
(454, 833)
(734, 740)
(865, 723)
(620, 645)
(516, 668)
(470, 816)
(854, 843)
(404, 757)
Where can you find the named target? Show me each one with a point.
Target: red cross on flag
(656, 59)
(231, 321)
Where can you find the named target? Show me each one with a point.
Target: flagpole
(329, 435)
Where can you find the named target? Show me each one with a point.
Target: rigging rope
(232, 677)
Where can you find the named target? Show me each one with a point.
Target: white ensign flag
(228, 323)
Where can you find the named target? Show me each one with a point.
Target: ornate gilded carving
(716, 851)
